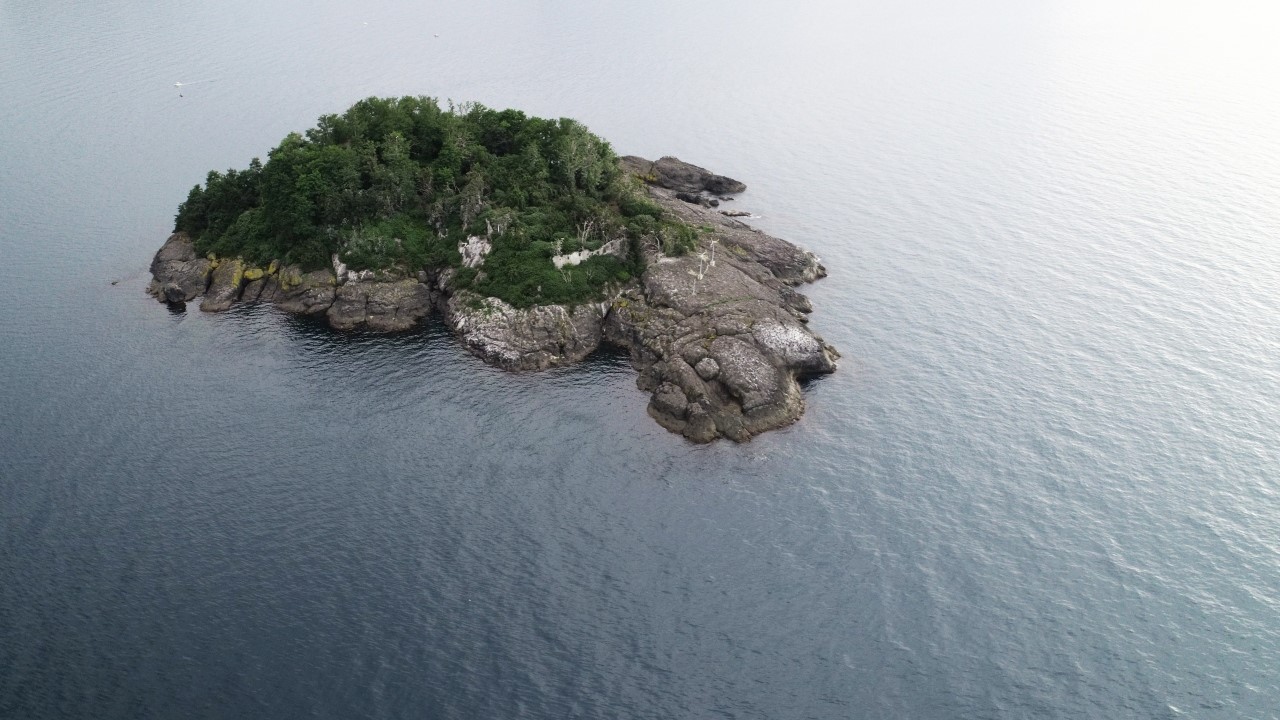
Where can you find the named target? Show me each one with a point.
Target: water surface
(1044, 482)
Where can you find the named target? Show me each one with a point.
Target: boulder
(670, 400)
(224, 286)
(693, 198)
(174, 294)
(675, 174)
(746, 372)
(177, 275)
(700, 426)
(252, 291)
(270, 289)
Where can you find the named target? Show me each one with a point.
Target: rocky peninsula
(716, 329)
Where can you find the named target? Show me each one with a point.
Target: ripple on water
(1042, 484)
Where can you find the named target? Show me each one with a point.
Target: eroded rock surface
(302, 293)
(224, 285)
(675, 174)
(533, 338)
(379, 306)
(719, 335)
(733, 347)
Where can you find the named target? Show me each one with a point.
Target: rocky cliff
(719, 335)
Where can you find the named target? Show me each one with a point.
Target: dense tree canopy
(399, 183)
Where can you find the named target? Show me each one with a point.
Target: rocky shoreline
(719, 336)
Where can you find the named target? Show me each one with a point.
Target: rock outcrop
(379, 306)
(224, 285)
(719, 335)
(533, 338)
(302, 293)
(177, 275)
(675, 174)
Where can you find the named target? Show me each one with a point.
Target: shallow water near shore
(1044, 483)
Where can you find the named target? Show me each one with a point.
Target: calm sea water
(1044, 484)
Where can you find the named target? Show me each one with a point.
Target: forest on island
(398, 183)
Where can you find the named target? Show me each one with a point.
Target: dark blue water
(1044, 484)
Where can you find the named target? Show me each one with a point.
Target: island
(531, 238)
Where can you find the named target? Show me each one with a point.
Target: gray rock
(701, 427)
(224, 286)
(177, 274)
(721, 327)
(774, 257)
(697, 199)
(177, 248)
(718, 336)
(305, 293)
(707, 368)
(270, 289)
(795, 346)
(675, 174)
(173, 293)
(252, 291)
(670, 400)
(380, 306)
(745, 370)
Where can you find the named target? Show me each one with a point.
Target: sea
(1044, 483)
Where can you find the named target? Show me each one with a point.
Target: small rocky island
(531, 238)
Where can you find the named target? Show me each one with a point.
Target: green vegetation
(399, 183)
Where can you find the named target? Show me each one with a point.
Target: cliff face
(718, 335)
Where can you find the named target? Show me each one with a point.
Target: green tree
(401, 181)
